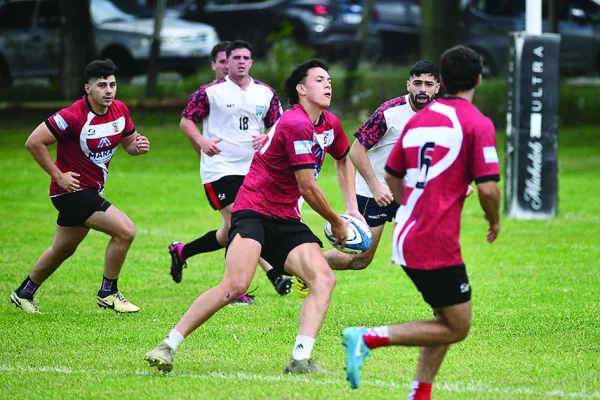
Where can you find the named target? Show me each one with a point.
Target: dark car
(485, 26)
(399, 24)
(328, 26)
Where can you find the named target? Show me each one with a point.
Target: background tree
(78, 45)
(159, 12)
(439, 27)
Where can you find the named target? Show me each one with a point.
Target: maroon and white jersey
(87, 142)
(379, 134)
(294, 142)
(233, 115)
(441, 151)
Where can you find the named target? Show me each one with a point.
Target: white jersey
(234, 115)
(379, 134)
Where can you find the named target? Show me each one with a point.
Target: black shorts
(278, 237)
(76, 207)
(442, 287)
(222, 192)
(373, 213)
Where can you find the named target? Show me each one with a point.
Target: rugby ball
(359, 236)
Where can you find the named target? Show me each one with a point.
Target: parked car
(485, 26)
(399, 24)
(30, 42)
(328, 26)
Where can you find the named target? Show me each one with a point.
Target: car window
(17, 15)
(49, 16)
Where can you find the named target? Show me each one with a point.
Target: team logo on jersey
(60, 122)
(115, 126)
(324, 139)
(91, 132)
(259, 110)
(104, 142)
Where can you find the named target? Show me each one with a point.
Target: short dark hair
(460, 68)
(100, 69)
(424, 67)
(219, 47)
(299, 75)
(237, 44)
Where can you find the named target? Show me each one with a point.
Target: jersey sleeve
(484, 157)
(129, 126)
(373, 129)
(395, 164)
(299, 143)
(62, 123)
(274, 112)
(340, 146)
(198, 107)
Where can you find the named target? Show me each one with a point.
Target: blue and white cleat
(356, 354)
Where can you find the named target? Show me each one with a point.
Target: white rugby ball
(359, 236)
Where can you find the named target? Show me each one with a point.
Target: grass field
(535, 334)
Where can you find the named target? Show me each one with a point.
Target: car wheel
(5, 75)
(128, 67)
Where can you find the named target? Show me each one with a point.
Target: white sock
(303, 347)
(174, 339)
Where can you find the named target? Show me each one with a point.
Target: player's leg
(121, 230)
(240, 265)
(64, 244)
(306, 261)
(338, 260)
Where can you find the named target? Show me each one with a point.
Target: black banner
(531, 153)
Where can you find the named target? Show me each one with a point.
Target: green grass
(536, 295)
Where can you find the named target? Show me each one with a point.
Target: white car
(30, 44)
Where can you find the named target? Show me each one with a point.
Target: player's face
(317, 87)
(422, 89)
(220, 65)
(102, 91)
(239, 63)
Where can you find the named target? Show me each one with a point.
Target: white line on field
(463, 387)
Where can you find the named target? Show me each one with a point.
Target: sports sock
(273, 275)
(109, 286)
(204, 244)
(27, 289)
(420, 391)
(377, 337)
(303, 347)
(174, 339)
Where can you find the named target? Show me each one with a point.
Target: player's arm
(200, 143)
(358, 153)
(315, 197)
(489, 198)
(396, 184)
(346, 179)
(37, 143)
(136, 144)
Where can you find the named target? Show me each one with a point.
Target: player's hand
(142, 144)
(493, 230)
(356, 214)
(68, 181)
(470, 191)
(339, 230)
(382, 195)
(209, 147)
(258, 140)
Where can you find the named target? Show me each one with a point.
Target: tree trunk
(159, 13)
(356, 51)
(78, 48)
(439, 23)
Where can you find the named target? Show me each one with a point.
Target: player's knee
(127, 232)
(65, 251)
(326, 280)
(460, 332)
(233, 290)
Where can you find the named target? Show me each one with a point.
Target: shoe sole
(285, 288)
(173, 254)
(159, 364)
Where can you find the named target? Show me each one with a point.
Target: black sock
(27, 289)
(109, 286)
(273, 275)
(205, 244)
